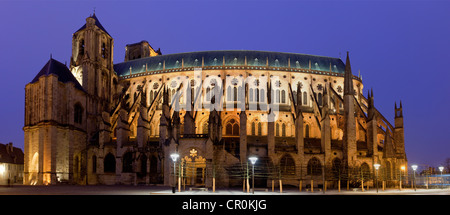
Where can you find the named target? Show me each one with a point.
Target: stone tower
(92, 62)
(54, 126)
(399, 135)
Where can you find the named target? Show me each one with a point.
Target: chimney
(9, 148)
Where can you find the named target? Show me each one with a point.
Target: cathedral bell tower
(92, 61)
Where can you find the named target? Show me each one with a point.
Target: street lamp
(414, 167)
(174, 157)
(253, 160)
(402, 168)
(441, 168)
(376, 173)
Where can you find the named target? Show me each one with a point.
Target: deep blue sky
(402, 48)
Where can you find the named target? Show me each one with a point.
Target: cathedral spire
(348, 79)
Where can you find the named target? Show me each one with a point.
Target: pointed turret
(399, 133)
(370, 106)
(299, 99)
(348, 78)
(372, 127)
(349, 136)
(325, 128)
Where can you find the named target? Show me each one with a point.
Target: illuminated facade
(11, 164)
(304, 116)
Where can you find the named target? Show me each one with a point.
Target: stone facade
(305, 117)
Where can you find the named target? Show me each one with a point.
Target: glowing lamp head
(402, 168)
(377, 166)
(2, 169)
(441, 168)
(414, 167)
(253, 160)
(174, 157)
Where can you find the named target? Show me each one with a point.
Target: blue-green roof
(219, 59)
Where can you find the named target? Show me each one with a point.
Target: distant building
(304, 116)
(11, 164)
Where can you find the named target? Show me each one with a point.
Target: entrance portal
(193, 169)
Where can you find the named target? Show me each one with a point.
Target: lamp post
(174, 157)
(253, 160)
(441, 168)
(402, 168)
(377, 166)
(414, 167)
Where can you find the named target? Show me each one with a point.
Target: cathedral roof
(97, 23)
(57, 68)
(234, 58)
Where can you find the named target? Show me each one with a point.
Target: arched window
(229, 93)
(306, 131)
(94, 164)
(257, 95)
(235, 94)
(283, 130)
(110, 163)
(305, 98)
(277, 130)
(283, 96)
(174, 95)
(287, 166)
(127, 162)
(277, 96)
(241, 94)
(336, 168)
(262, 95)
(232, 128)
(319, 99)
(259, 129)
(314, 167)
(151, 96)
(78, 113)
(192, 93)
(253, 128)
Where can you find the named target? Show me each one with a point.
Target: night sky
(401, 48)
